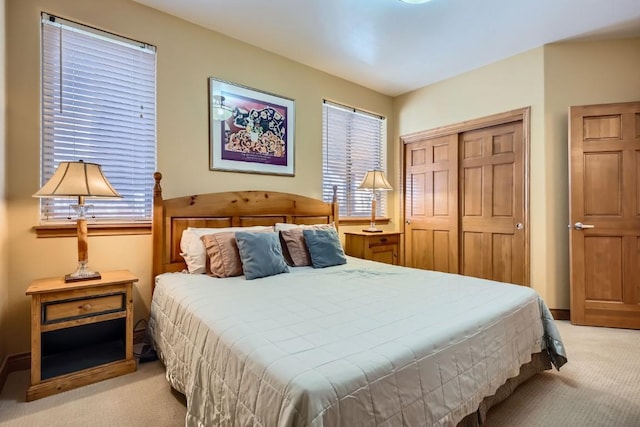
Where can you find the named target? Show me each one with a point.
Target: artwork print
(258, 137)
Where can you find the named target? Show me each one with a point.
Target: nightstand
(381, 247)
(81, 332)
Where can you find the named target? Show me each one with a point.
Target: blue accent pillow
(324, 247)
(261, 254)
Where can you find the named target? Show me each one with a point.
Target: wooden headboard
(229, 209)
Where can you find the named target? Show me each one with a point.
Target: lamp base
(372, 230)
(83, 272)
(71, 278)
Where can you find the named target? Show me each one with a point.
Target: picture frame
(258, 137)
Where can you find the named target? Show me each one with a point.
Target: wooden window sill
(361, 221)
(122, 229)
(114, 229)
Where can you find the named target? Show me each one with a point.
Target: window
(353, 142)
(99, 106)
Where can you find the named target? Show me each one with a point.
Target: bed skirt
(539, 362)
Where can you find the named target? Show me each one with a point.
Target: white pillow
(193, 250)
(280, 226)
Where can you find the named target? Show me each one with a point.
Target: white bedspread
(363, 344)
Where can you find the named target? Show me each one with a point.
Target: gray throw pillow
(324, 247)
(261, 254)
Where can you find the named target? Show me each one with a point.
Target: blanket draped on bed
(360, 344)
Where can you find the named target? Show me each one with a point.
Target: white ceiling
(393, 47)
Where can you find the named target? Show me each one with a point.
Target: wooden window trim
(107, 229)
(362, 221)
(124, 229)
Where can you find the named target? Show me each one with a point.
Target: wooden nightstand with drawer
(81, 332)
(381, 247)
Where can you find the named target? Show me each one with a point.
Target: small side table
(81, 332)
(381, 247)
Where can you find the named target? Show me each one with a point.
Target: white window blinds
(99, 105)
(353, 143)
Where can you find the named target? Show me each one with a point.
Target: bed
(356, 344)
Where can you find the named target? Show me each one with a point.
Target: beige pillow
(224, 257)
(297, 254)
(296, 247)
(193, 250)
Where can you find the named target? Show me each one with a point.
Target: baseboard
(12, 363)
(560, 313)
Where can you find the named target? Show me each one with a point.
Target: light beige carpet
(599, 387)
(140, 399)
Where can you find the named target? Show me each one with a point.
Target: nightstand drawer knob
(383, 239)
(86, 307)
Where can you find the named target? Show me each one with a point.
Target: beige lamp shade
(81, 180)
(375, 180)
(78, 179)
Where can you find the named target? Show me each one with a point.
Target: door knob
(581, 226)
(519, 226)
(408, 221)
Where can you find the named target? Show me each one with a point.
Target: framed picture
(257, 136)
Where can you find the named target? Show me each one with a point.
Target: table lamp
(374, 181)
(81, 180)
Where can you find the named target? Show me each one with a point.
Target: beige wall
(4, 275)
(549, 79)
(546, 79)
(502, 86)
(187, 56)
(578, 73)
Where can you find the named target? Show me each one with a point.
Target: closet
(465, 198)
